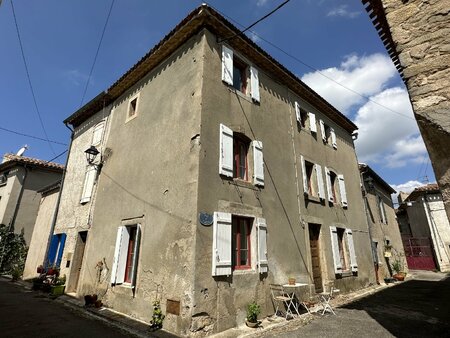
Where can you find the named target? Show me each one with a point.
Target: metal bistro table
(290, 290)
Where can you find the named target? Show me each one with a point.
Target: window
(236, 152)
(126, 254)
(88, 186)
(381, 210)
(336, 188)
(233, 236)
(97, 134)
(235, 72)
(333, 178)
(343, 250)
(328, 134)
(241, 244)
(133, 108)
(312, 179)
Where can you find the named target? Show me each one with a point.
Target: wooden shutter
(120, 256)
(312, 122)
(329, 186)
(333, 138)
(98, 133)
(322, 131)
(342, 190)
(254, 84)
(227, 65)
(297, 113)
(89, 180)
(320, 181)
(52, 251)
(136, 254)
(263, 263)
(351, 249)
(304, 175)
(62, 242)
(221, 251)
(335, 249)
(226, 151)
(258, 163)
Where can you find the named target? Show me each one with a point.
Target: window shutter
(136, 254)
(329, 187)
(297, 113)
(89, 181)
(120, 256)
(227, 65)
(351, 249)
(342, 191)
(221, 251)
(226, 151)
(335, 249)
(258, 163)
(98, 133)
(322, 131)
(305, 177)
(312, 122)
(263, 263)
(254, 78)
(52, 250)
(320, 181)
(62, 242)
(333, 138)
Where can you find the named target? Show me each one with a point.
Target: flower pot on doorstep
(57, 290)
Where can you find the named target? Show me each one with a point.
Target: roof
(429, 188)
(10, 160)
(377, 14)
(364, 168)
(206, 17)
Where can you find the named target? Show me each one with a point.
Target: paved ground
(26, 313)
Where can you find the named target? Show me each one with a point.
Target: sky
(330, 44)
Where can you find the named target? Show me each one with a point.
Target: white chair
(280, 299)
(326, 296)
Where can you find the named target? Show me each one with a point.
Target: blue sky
(333, 37)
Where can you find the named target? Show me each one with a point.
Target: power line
(256, 22)
(315, 69)
(29, 79)
(96, 53)
(54, 158)
(32, 136)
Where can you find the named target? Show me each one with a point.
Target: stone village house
(219, 173)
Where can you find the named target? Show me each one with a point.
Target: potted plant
(291, 280)
(53, 270)
(40, 269)
(157, 317)
(58, 288)
(253, 310)
(397, 267)
(387, 250)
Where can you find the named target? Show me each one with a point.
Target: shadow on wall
(415, 308)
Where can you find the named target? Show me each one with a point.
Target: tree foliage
(13, 251)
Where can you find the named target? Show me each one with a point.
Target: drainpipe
(55, 214)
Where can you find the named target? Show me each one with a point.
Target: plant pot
(98, 303)
(252, 324)
(291, 281)
(39, 269)
(399, 276)
(57, 290)
(51, 271)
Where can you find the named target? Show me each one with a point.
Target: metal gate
(419, 253)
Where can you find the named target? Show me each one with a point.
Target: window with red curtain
(241, 244)
(129, 269)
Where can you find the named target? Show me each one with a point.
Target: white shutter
(98, 133)
(254, 83)
(221, 251)
(333, 138)
(226, 151)
(122, 261)
(263, 262)
(297, 113)
(89, 180)
(305, 176)
(136, 254)
(227, 65)
(117, 250)
(335, 249)
(329, 186)
(322, 131)
(312, 122)
(351, 249)
(342, 191)
(320, 181)
(258, 163)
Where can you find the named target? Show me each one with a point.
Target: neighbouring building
(219, 172)
(384, 230)
(425, 229)
(416, 35)
(39, 241)
(20, 180)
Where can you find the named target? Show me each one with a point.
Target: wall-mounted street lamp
(91, 154)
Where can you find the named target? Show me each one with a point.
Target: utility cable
(315, 69)
(32, 136)
(96, 53)
(54, 158)
(29, 79)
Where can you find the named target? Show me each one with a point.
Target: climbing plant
(13, 251)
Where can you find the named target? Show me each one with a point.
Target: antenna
(22, 150)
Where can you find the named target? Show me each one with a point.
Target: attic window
(133, 107)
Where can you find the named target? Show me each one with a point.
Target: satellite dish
(22, 150)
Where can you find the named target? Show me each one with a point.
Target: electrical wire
(32, 136)
(54, 158)
(315, 69)
(96, 53)
(29, 79)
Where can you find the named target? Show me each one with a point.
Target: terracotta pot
(399, 276)
(39, 269)
(291, 281)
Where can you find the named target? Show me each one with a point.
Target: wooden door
(77, 261)
(314, 232)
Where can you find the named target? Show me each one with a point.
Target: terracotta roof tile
(11, 158)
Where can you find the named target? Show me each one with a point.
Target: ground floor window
(126, 255)
(241, 243)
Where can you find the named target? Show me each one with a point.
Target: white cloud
(407, 186)
(367, 75)
(261, 3)
(255, 38)
(343, 11)
(76, 78)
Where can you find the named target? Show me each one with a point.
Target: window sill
(241, 94)
(244, 272)
(130, 118)
(345, 274)
(312, 198)
(244, 184)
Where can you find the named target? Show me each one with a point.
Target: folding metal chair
(280, 298)
(326, 296)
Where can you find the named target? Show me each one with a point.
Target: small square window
(133, 108)
(241, 243)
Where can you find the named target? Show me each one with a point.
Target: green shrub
(253, 310)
